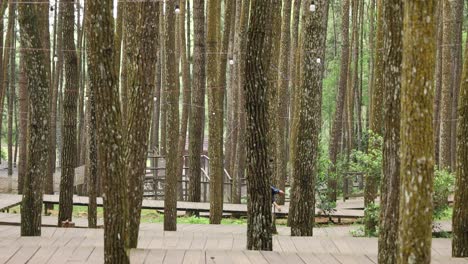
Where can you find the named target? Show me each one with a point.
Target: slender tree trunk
(306, 163)
(38, 88)
(447, 83)
(92, 157)
(259, 235)
(101, 64)
(460, 213)
(337, 127)
(215, 110)
(187, 93)
(172, 101)
(164, 104)
(438, 81)
(240, 156)
(282, 94)
(458, 7)
(371, 52)
(11, 96)
(23, 122)
(198, 101)
(69, 113)
(390, 187)
(143, 41)
(417, 141)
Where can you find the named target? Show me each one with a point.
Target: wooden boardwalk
(195, 244)
(8, 201)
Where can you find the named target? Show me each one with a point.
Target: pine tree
(259, 235)
(460, 213)
(417, 141)
(305, 167)
(67, 13)
(390, 187)
(38, 125)
(101, 59)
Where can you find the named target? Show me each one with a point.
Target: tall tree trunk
(215, 110)
(38, 89)
(376, 118)
(305, 169)
(417, 140)
(57, 73)
(458, 7)
(390, 187)
(240, 156)
(67, 12)
(143, 40)
(172, 101)
(6, 59)
(23, 122)
(371, 52)
(187, 93)
(259, 235)
(282, 95)
(460, 212)
(447, 83)
(11, 94)
(101, 64)
(337, 127)
(438, 80)
(164, 105)
(92, 157)
(198, 101)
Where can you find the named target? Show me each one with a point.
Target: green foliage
(321, 194)
(369, 162)
(444, 182)
(371, 215)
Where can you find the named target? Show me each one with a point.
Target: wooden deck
(196, 244)
(8, 201)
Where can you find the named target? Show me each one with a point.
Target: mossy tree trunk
(460, 212)
(305, 169)
(38, 125)
(101, 64)
(390, 187)
(215, 110)
(143, 40)
(417, 140)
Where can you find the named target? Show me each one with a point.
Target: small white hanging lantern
(231, 61)
(319, 61)
(312, 7)
(177, 9)
(55, 58)
(155, 99)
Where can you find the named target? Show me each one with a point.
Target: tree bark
(11, 94)
(215, 110)
(67, 12)
(259, 235)
(38, 125)
(92, 156)
(460, 213)
(305, 169)
(198, 101)
(447, 83)
(172, 125)
(390, 187)
(282, 94)
(337, 127)
(417, 141)
(101, 64)
(143, 40)
(23, 122)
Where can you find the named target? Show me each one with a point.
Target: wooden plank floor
(197, 244)
(8, 200)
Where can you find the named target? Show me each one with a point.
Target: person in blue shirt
(275, 191)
